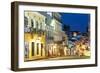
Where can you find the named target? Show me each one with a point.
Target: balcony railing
(34, 30)
(27, 29)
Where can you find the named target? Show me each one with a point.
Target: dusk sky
(76, 21)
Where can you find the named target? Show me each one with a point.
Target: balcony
(27, 29)
(34, 30)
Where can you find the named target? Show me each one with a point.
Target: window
(43, 33)
(26, 51)
(37, 25)
(25, 21)
(41, 49)
(37, 48)
(26, 25)
(40, 25)
(33, 48)
(46, 20)
(32, 23)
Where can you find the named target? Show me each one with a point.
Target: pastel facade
(34, 35)
(43, 35)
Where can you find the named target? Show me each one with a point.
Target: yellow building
(34, 35)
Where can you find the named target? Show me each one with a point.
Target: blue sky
(76, 21)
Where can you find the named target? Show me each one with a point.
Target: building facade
(34, 35)
(43, 35)
(60, 38)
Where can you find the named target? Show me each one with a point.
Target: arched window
(32, 23)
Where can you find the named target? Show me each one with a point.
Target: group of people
(82, 47)
(79, 47)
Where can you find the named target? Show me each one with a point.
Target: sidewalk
(69, 57)
(58, 58)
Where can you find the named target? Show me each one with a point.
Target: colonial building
(43, 35)
(60, 38)
(34, 35)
